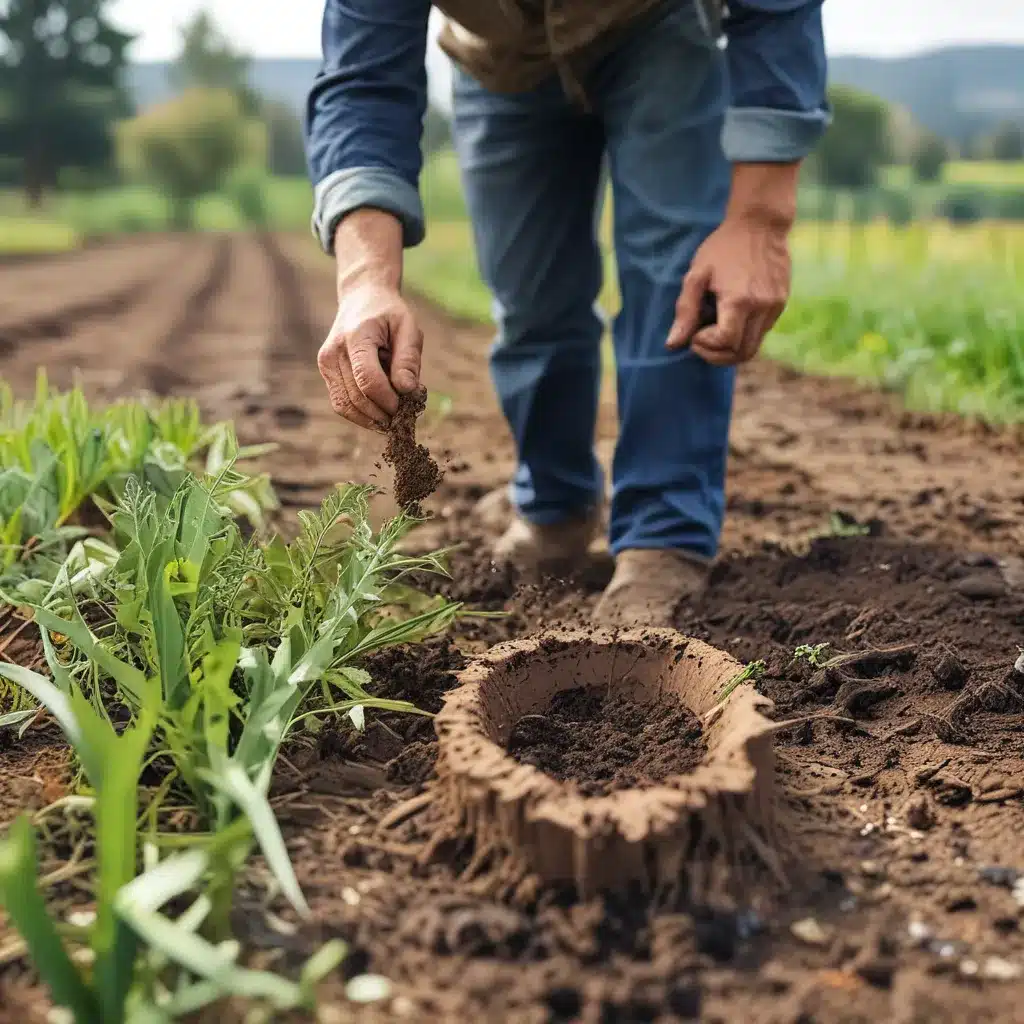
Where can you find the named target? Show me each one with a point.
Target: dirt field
(903, 788)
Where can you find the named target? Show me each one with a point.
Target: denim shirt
(365, 110)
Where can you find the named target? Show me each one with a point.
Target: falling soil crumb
(417, 475)
(606, 744)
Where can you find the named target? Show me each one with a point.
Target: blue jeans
(533, 168)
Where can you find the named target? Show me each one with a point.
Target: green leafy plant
(141, 964)
(215, 648)
(814, 654)
(112, 763)
(58, 455)
(752, 671)
(182, 654)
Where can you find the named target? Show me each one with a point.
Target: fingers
(695, 284)
(738, 336)
(406, 355)
(370, 380)
(336, 371)
(720, 344)
(361, 410)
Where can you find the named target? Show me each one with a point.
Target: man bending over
(702, 144)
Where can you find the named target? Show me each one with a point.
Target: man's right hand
(372, 354)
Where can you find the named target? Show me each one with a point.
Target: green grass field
(68, 218)
(929, 310)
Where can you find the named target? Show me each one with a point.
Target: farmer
(700, 116)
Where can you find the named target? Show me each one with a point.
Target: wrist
(764, 194)
(368, 250)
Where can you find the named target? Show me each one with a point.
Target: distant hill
(958, 92)
(285, 78)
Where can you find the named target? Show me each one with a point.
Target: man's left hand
(745, 263)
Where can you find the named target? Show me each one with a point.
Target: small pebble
(969, 968)
(996, 874)
(368, 988)
(1018, 892)
(998, 969)
(808, 930)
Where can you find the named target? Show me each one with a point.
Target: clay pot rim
(728, 772)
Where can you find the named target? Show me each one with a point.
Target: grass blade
(60, 706)
(131, 680)
(235, 783)
(9, 721)
(19, 893)
(114, 943)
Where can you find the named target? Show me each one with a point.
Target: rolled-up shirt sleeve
(778, 78)
(364, 115)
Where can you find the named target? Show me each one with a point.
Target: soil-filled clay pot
(692, 833)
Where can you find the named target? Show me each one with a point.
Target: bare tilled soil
(871, 561)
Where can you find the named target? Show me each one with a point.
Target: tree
(1006, 142)
(286, 150)
(857, 143)
(188, 146)
(208, 61)
(61, 64)
(929, 157)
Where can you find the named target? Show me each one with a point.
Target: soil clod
(417, 474)
(607, 743)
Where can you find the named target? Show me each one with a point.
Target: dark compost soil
(902, 779)
(608, 742)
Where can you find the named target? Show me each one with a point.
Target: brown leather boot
(649, 585)
(494, 511)
(557, 549)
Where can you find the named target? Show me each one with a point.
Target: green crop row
(181, 652)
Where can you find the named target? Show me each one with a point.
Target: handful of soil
(417, 475)
(607, 743)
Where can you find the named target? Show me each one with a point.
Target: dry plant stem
(841, 676)
(949, 726)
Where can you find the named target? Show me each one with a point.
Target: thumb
(406, 354)
(687, 318)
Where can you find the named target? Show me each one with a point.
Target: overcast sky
(291, 28)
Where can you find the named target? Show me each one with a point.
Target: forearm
(765, 192)
(778, 78)
(368, 247)
(365, 113)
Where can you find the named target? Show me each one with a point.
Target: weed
(752, 671)
(182, 652)
(814, 654)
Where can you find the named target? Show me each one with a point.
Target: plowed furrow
(48, 303)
